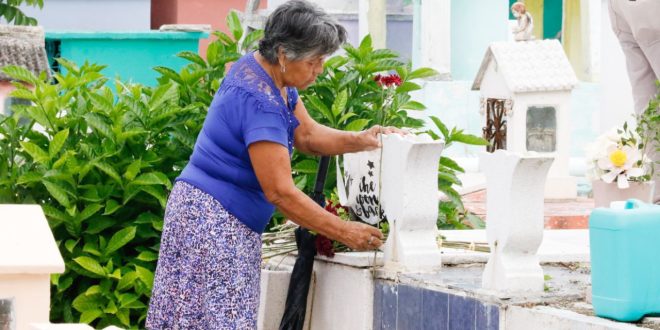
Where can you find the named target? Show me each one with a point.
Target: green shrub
(11, 12)
(101, 165)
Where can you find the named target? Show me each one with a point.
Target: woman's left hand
(369, 140)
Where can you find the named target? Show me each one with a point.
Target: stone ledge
(552, 318)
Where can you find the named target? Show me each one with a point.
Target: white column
(431, 35)
(410, 201)
(373, 20)
(591, 25)
(514, 225)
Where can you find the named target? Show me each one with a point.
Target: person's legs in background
(637, 27)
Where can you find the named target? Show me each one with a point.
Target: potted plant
(619, 168)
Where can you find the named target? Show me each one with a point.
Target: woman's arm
(315, 139)
(272, 166)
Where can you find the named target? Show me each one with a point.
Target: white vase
(605, 193)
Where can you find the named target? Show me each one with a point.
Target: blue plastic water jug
(625, 261)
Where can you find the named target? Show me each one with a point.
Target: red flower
(324, 246)
(388, 80)
(331, 208)
(334, 208)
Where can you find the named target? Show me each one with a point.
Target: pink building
(196, 12)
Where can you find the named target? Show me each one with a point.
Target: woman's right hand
(360, 236)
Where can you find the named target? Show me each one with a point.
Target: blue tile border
(488, 316)
(435, 310)
(409, 308)
(403, 307)
(389, 310)
(378, 306)
(462, 313)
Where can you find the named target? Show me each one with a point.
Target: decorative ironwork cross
(496, 124)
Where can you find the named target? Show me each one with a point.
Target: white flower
(619, 163)
(615, 156)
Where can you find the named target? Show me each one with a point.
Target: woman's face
(302, 73)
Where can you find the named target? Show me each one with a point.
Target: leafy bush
(9, 11)
(648, 123)
(453, 214)
(101, 165)
(200, 79)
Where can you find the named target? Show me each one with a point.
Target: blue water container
(625, 261)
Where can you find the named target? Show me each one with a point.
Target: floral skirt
(208, 268)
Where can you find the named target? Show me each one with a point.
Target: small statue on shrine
(523, 31)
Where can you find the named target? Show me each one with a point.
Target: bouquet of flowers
(282, 239)
(618, 155)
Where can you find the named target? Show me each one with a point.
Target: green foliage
(101, 165)
(11, 13)
(452, 213)
(648, 128)
(200, 78)
(345, 96)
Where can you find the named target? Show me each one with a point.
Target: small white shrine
(526, 105)
(28, 256)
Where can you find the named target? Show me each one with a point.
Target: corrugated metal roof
(23, 46)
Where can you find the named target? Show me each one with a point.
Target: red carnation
(388, 80)
(324, 246)
(331, 208)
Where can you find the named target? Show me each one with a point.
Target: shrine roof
(529, 66)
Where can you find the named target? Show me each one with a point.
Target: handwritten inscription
(368, 207)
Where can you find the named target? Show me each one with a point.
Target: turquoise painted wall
(474, 25)
(552, 18)
(128, 55)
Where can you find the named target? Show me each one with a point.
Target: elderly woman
(209, 265)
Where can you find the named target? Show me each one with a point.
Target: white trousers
(636, 23)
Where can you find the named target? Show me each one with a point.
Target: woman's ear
(281, 57)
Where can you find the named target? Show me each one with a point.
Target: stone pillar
(431, 35)
(514, 225)
(373, 20)
(28, 255)
(410, 201)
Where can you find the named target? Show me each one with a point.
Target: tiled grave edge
(401, 306)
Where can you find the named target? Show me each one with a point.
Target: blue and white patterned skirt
(208, 268)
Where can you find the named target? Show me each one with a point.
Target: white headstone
(514, 220)
(28, 256)
(408, 173)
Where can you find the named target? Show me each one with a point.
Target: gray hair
(302, 30)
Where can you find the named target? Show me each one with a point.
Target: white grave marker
(514, 220)
(409, 195)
